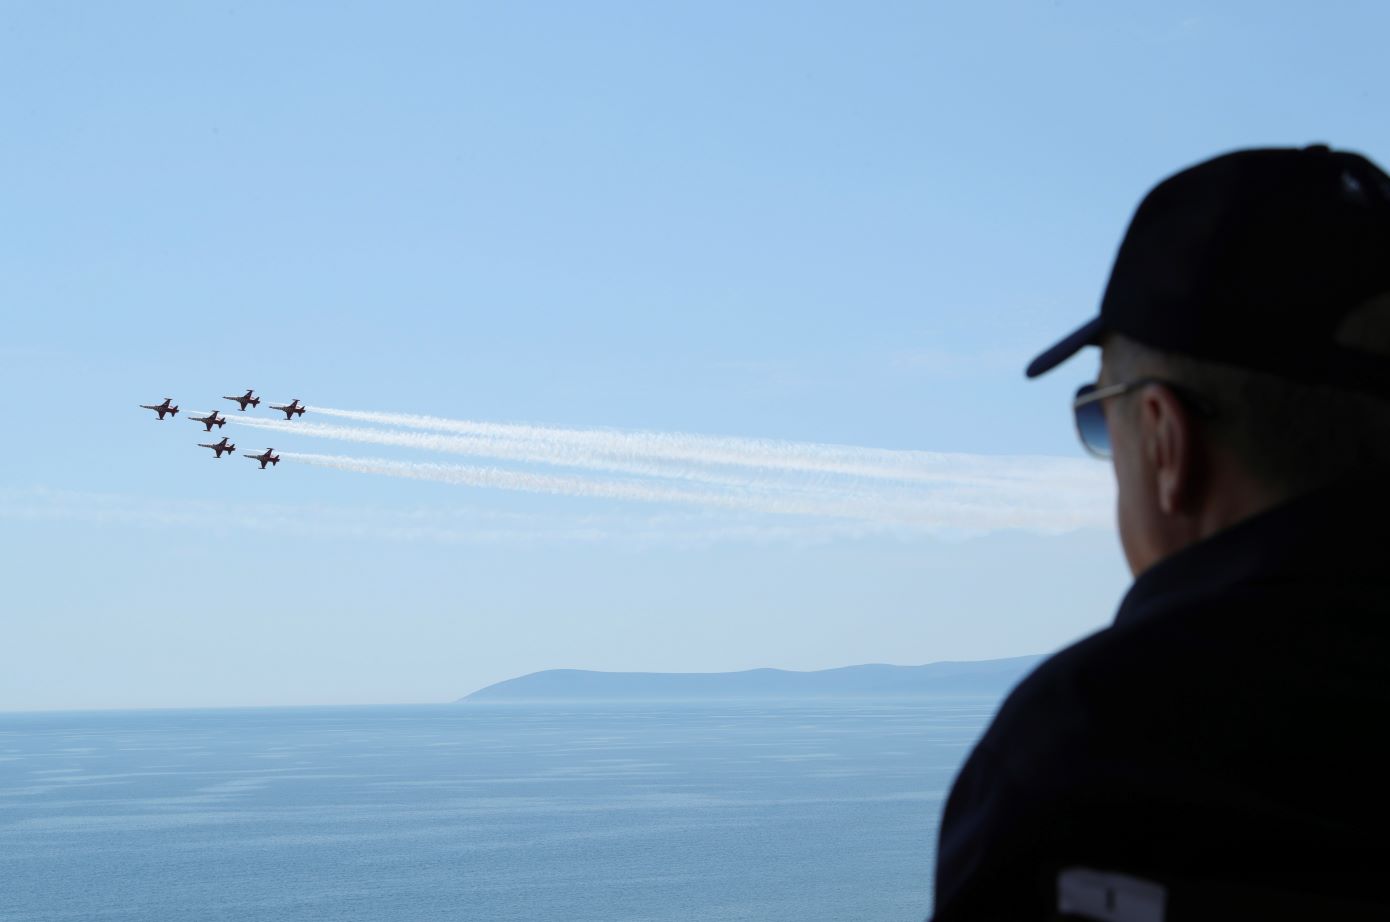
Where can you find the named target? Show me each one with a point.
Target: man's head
(1245, 337)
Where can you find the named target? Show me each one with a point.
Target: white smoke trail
(735, 465)
(953, 479)
(966, 510)
(501, 449)
(767, 454)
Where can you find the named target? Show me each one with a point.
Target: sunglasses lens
(1090, 425)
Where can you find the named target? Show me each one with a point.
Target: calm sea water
(488, 812)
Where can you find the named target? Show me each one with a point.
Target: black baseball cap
(1254, 258)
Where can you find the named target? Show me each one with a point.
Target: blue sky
(827, 224)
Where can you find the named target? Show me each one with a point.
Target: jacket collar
(1310, 532)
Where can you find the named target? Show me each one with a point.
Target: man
(1217, 752)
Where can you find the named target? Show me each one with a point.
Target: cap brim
(1088, 335)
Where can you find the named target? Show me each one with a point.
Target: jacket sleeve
(1013, 805)
(990, 847)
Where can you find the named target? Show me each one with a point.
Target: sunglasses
(1089, 410)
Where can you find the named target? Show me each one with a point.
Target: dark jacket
(1225, 738)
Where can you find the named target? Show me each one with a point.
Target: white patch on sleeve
(1109, 897)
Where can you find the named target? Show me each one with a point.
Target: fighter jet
(291, 409)
(162, 408)
(220, 448)
(265, 458)
(245, 398)
(210, 421)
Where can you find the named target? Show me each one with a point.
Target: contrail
(944, 510)
(706, 459)
(954, 474)
(809, 457)
(844, 482)
(499, 448)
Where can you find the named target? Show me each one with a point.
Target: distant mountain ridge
(981, 677)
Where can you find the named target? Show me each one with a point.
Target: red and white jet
(265, 457)
(244, 399)
(162, 408)
(211, 420)
(220, 448)
(291, 409)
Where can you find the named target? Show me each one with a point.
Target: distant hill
(983, 677)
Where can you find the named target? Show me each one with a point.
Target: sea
(799, 810)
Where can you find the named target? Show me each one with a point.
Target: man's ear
(1170, 447)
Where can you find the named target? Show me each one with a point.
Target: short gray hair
(1290, 436)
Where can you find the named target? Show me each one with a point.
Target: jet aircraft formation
(291, 410)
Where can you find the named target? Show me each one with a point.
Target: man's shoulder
(1031, 781)
(1216, 668)
(1267, 695)
(1084, 683)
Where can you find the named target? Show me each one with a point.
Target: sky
(662, 337)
